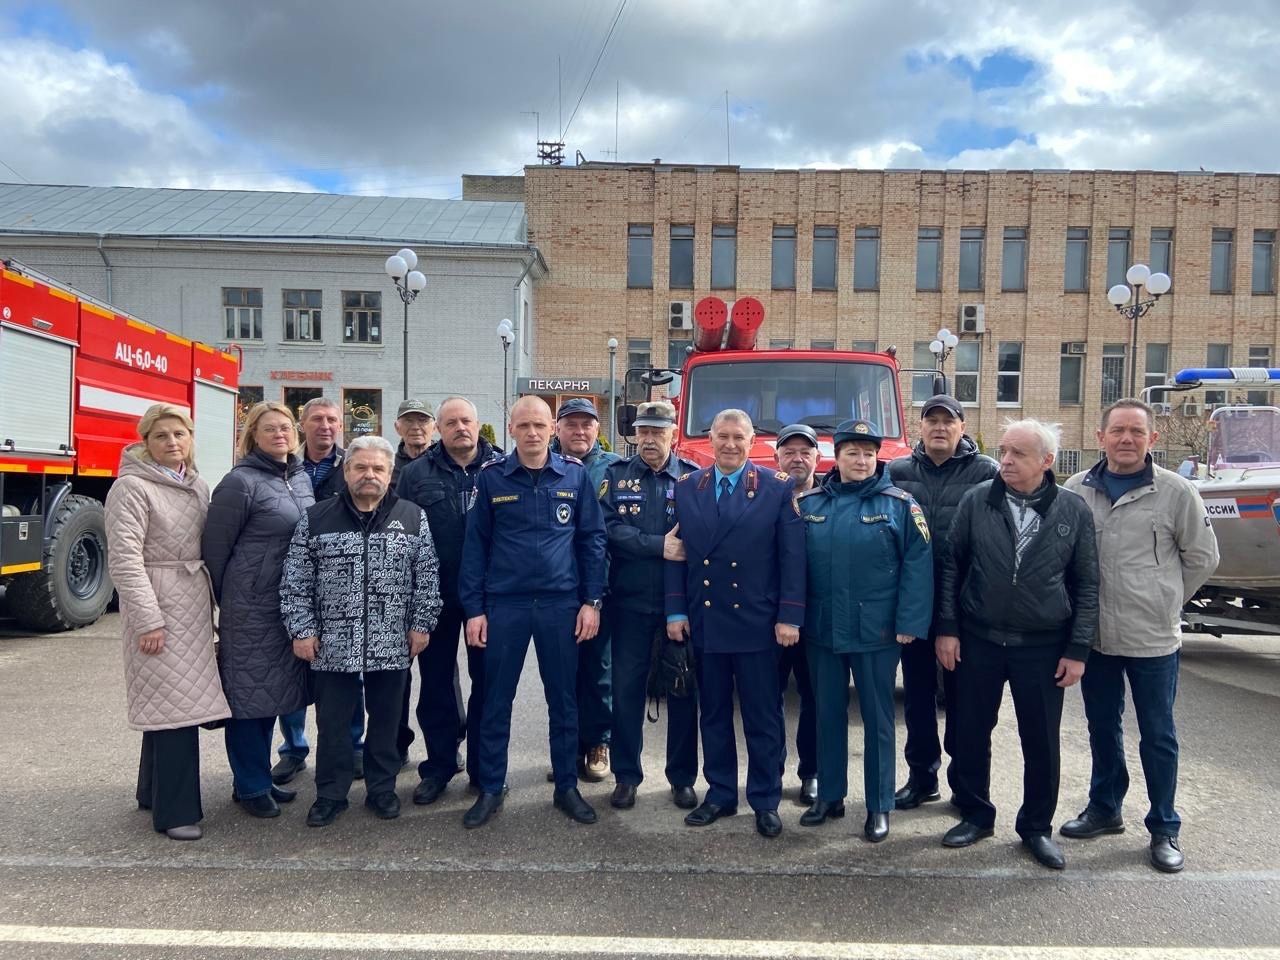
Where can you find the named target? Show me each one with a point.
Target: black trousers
(794, 660)
(169, 777)
(1037, 701)
(923, 751)
(336, 695)
(443, 719)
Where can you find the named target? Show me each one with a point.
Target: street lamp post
(944, 341)
(400, 267)
(613, 399)
(1157, 284)
(507, 335)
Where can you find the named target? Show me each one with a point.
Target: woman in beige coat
(155, 517)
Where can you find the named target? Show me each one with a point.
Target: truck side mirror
(626, 419)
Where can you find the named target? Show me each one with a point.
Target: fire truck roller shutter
(35, 392)
(215, 421)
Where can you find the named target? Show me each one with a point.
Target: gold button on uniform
(707, 563)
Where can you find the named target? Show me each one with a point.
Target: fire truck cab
(75, 376)
(724, 370)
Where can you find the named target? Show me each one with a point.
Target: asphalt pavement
(82, 874)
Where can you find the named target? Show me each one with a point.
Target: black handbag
(671, 672)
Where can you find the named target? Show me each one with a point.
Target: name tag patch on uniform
(627, 497)
(567, 494)
(876, 518)
(564, 512)
(505, 498)
(814, 518)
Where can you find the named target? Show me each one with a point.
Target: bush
(486, 431)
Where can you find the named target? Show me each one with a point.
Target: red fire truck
(725, 370)
(75, 375)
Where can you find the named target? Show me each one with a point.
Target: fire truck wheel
(73, 587)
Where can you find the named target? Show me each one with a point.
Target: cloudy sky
(403, 97)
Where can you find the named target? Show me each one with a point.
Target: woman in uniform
(870, 589)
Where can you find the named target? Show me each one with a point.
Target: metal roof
(47, 209)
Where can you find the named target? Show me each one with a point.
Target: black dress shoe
(428, 791)
(684, 797)
(574, 807)
(264, 806)
(914, 794)
(624, 796)
(286, 769)
(324, 811)
(1166, 855)
(357, 765)
(1089, 824)
(707, 814)
(877, 827)
(821, 811)
(965, 834)
(809, 790)
(768, 823)
(281, 795)
(385, 805)
(482, 811)
(1048, 853)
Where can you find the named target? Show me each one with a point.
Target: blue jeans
(293, 727)
(249, 753)
(1153, 683)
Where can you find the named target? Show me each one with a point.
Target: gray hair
(741, 416)
(1047, 435)
(316, 403)
(372, 442)
(457, 399)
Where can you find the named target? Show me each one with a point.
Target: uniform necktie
(723, 499)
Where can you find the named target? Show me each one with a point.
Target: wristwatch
(594, 604)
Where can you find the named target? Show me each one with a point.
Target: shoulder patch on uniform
(896, 493)
(917, 517)
(603, 489)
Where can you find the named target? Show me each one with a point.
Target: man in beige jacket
(1155, 549)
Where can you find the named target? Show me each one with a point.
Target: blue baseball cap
(577, 405)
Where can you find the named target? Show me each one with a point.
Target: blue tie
(724, 493)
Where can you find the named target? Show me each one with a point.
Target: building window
(1264, 261)
(640, 255)
(295, 398)
(824, 258)
(724, 257)
(822, 344)
(1217, 357)
(680, 275)
(929, 258)
(972, 245)
(1013, 260)
(1220, 261)
(639, 354)
(1067, 463)
(864, 346)
(1071, 374)
(1117, 255)
(1009, 373)
(361, 316)
(866, 258)
(248, 396)
(361, 413)
(1077, 272)
(1156, 373)
(1113, 382)
(1162, 250)
(781, 344)
(242, 308)
(967, 358)
(784, 258)
(922, 359)
(302, 314)
(1259, 356)
(677, 350)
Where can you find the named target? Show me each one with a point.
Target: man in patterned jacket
(360, 596)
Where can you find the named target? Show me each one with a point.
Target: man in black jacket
(942, 468)
(359, 597)
(1019, 605)
(440, 481)
(416, 424)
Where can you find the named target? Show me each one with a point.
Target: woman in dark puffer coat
(251, 519)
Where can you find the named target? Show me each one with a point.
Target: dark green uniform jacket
(870, 564)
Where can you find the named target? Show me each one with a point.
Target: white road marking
(363, 943)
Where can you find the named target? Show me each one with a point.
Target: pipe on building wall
(518, 315)
(107, 263)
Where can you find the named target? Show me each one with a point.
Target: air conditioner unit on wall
(1078, 347)
(1191, 409)
(1162, 409)
(680, 315)
(973, 318)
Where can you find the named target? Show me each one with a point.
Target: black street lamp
(409, 283)
(507, 335)
(1157, 284)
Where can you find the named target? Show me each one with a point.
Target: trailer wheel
(72, 587)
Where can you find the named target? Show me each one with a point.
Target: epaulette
(489, 463)
(782, 475)
(896, 493)
(808, 493)
(686, 463)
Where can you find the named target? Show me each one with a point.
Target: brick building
(867, 259)
(295, 282)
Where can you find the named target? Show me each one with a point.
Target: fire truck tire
(73, 587)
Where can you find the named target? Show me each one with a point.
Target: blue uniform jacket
(870, 565)
(524, 544)
(744, 570)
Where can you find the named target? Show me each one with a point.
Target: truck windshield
(1245, 435)
(778, 392)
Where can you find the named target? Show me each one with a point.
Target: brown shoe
(595, 765)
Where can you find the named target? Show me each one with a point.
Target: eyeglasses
(276, 431)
